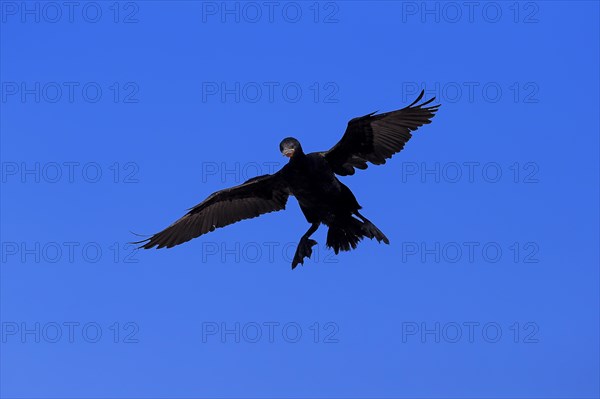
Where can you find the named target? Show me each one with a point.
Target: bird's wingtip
(144, 241)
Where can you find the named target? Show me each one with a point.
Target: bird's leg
(305, 245)
(371, 230)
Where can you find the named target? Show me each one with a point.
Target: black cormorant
(311, 178)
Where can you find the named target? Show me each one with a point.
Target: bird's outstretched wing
(375, 138)
(257, 196)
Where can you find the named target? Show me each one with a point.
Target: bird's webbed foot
(304, 250)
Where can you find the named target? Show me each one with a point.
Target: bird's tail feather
(344, 234)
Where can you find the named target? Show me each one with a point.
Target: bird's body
(311, 179)
(318, 191)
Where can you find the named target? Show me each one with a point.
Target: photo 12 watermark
(71, 172)
(526, 92)
(470, 252)
(236, 172)
(452, 332)
(253, 332)
(270, 12)
(70, 12)
(72, 332)
(253, 252)
(67, 252)
(69, 92)
(270, 92)
(453, 172)
(471, 12)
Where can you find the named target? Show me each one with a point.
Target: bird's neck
(298, 155)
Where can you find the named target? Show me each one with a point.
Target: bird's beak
(288, 152)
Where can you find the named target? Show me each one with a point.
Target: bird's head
(290, 146)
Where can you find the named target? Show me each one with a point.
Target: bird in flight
(311, 178)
